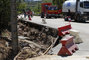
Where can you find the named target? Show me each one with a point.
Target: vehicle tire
(47, 16)
(80, 18)
(83, 20)
(42, 15)
(75, 18)
(55, 16)
(65, 18)
(58, 16)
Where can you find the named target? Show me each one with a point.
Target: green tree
(58, 3)
(47, 1)
(4, 14)
(21, 6)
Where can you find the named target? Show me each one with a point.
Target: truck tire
(83, 20)
(55, 16)
(47, 16)
(80, 19)
(75, 18)
(65, 18)
(42, 15)
(58, 16)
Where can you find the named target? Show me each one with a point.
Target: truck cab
(82, 12)
(48, 10)
(53, 11)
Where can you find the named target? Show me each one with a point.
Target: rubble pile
(25, 53)
(5, 49)
(35, 35)
(35, 44)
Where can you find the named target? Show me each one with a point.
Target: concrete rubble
(5, 49)
(77, 38)
(32, 42)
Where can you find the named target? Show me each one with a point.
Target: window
(84, 4)
(52, 8)
(81, 4)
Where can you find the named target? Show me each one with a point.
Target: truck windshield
(84, 5)
(52, 8)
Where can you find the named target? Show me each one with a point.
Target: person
(29, 14)
(69, 15)
(24, 13)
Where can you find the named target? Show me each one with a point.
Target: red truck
(48, 10)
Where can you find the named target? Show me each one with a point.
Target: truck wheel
(75, 19)
(42, 15)
(58, 16)
(65, 18)
(47, 16)
(79, 19)
(55, 16)
(83, 20)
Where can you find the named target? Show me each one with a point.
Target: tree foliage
(47, 1)
(58, 3)
(4, 13)
(21, 6)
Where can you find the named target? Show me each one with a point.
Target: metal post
(14, 35)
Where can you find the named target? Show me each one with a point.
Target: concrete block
(77, 38)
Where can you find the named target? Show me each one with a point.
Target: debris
(87, 57)
(51, 45)
(25, 53)
(45, 57)
(44, 21)
(33, 40)
(5, 49)
(77, 38)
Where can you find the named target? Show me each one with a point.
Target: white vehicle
(77, 9)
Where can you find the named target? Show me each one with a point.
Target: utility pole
(14, 34)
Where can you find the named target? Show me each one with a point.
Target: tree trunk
(14, 35)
